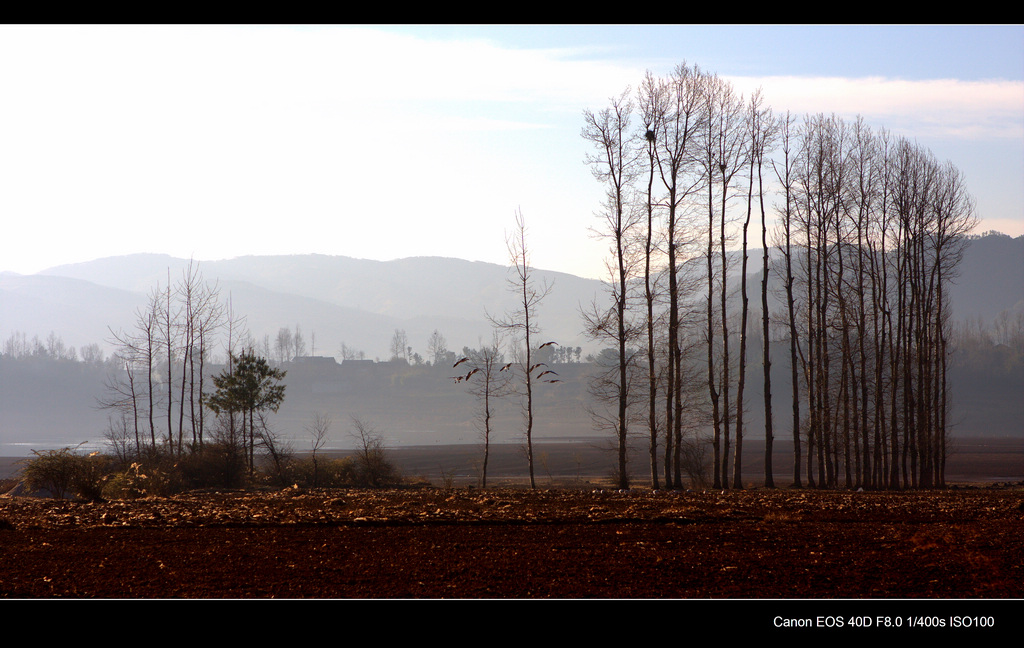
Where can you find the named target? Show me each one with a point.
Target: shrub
(215, 465)
(695, 462)
(327, 473)
(65, 472)
(373, 467)
(132, 484)
(161, 471)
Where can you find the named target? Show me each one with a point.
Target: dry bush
(134, 482)
(67, 473)
(325, 473)
(214, 465)
(373, 467)
(695, 463)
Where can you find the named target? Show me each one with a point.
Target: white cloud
(342, 140)
(929, 108)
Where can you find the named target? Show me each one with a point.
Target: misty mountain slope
(990, 278)
(77, 310)
(134, 272)
(371, 298)
(361, 302)
(266, 311)
(418, 290)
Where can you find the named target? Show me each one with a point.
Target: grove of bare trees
(162, 389)
(869, 227)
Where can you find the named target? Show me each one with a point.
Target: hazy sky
(395, 141)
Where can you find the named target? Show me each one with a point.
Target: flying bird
(546, 344)
(459, 362)
(459, 379)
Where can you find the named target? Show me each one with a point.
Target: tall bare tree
(724, 153)
(613, 164)
(521, 325)
(762, 146)
(674, 144)
(870, 230)
(784, 175)
(652, 111)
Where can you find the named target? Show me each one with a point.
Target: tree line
(871, 228)
(162, 390)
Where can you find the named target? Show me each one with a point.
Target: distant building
(316, 361)
(358, 363)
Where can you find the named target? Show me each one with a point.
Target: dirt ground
(465, 543)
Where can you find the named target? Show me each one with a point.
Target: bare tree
(168, 320)
(284, 345)
(488, 379)
(121, 389)
(521, 324)
(759, 130)
(652, 111)
(437, 347)
(723, 150)
(679, 121)
(765, 134)
(614, 165)
(349, 353)
(399, 345)
(785, 178)
(146, 322)
(299, 342)
(375, 470)
(318, 429)
(210, 317)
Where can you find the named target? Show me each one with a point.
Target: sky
(385, 142)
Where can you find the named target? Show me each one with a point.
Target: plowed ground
(510, 543)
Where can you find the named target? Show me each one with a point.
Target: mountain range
(338, 299)
(361, 302)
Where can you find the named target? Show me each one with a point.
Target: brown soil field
(505, 543)
(572, 538)
(590, 462)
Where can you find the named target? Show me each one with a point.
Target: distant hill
(361, 302)
(77, 310)
(991, 278)
(340, 299)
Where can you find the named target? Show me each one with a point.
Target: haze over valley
(335, 300)
(262, 229)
